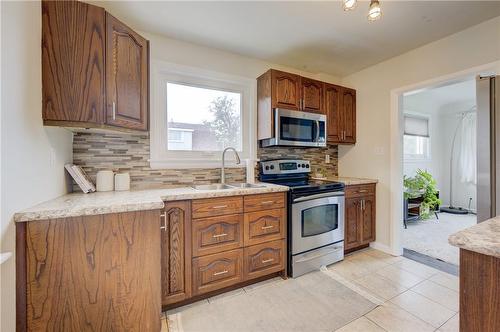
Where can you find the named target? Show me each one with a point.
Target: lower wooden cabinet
(92, 273)
(176, 252)
(263, 259)
(216, 234)
(359, 228)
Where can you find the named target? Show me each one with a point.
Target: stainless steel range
(315, 215)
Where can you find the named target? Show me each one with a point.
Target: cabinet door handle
(114, 111)
(221, 272)
(363, 191)
(219, 207)
(267, 227)
(219, 235)
(267, 260)
(267, 202)
(164, 217)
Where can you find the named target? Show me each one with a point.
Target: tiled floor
(416, 297)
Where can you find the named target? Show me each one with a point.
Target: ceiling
(315, 36)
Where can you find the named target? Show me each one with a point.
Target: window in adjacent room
(416, 145)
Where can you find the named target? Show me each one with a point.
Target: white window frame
(160, 156)
(415, 158)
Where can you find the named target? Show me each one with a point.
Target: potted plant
(422, 185)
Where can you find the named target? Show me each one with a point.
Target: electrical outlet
(327, 158)
(379, 150)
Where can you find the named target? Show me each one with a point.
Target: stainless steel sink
(245, 185)
(215, 186)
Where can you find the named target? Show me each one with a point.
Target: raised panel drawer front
(217, 271)
(264, 226)
(216, 234)
(212, 207)
(265, 258)
(360, 190)
(264, 202)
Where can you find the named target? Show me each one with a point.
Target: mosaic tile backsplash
(122, 152)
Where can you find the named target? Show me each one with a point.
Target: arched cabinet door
(127, 71)
(286, 91)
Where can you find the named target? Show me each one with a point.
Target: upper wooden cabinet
(277, 89)
(94, 69)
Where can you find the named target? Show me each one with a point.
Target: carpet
(312, 302)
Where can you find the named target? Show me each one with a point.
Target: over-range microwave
(294, 128)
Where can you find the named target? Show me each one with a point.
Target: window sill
(193, 164)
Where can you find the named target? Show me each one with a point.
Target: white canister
(105, 181)
(122, 181)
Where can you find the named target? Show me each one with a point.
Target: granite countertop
(348, 181)
(80, 204)
(483, 238)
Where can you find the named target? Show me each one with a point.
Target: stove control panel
(285, 166)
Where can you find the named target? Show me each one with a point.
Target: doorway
(439, 169)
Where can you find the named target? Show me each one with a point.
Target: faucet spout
(223, 171)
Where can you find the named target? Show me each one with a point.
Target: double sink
(222, 186)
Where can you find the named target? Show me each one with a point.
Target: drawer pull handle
(363, 191)
(163, 216)
(267, 202)
(221, 272)
(267, 260)
(219, 235)
(267, 227)
(219, 207)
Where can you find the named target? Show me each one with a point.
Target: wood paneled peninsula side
(479, 276)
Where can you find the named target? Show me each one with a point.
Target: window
(196, 114)
(416, 144)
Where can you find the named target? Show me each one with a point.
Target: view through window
(202, 119)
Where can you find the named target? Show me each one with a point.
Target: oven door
(317, 221)
(300, 128)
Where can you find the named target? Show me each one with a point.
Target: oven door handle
(322, 195)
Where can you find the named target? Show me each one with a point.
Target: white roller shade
(416, 126)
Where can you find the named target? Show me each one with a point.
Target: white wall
(371, 156)
(28, 176)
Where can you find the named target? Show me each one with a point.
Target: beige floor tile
(438, 293)
(452, 325)
(349, 269)
(265, 283)
(446, 280)
(164, 324)
(187, 306)
(400, 276)
(392, 318)
(416, 268)
(423, 308)
(367, 261)
(386, 258)
(361, 324)
(226, 296)
(380, 286)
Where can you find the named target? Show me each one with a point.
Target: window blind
(416, 126)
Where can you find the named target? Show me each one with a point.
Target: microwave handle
(317, 131)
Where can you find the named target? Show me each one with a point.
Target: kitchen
(201, 234)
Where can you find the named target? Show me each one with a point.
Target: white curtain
(467, 152)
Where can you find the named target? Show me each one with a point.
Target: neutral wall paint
(371, 156)
(28, 175)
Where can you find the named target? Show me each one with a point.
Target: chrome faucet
(223, 171)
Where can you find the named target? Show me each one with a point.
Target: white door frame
(396, 142)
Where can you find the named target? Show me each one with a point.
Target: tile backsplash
(124, 152)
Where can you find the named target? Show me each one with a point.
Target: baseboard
(384, 248)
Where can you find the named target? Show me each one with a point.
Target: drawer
(264, 202)
(217, 271)
(264, 226)
(360, 190)
(202, 208)
(216, 234)
(263, 259)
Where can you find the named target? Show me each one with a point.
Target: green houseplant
(422, 185)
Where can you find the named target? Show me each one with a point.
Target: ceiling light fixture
(349, 4)
(374, 13)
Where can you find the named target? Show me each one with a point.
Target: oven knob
(307, 166)
(267, 168)
(303, 165)
(272, 166)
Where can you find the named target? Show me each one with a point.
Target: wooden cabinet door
(311, 92)
(285, 90)
(348, 115)
(368, 220)
(332, 95)
(352, 223)
(176, 252)
(127, 71)
(73, 73)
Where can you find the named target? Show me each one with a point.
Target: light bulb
(349, 4)
(374, 13)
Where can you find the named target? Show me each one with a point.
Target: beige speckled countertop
(348, 181)
(80, 204)
(483, 238)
